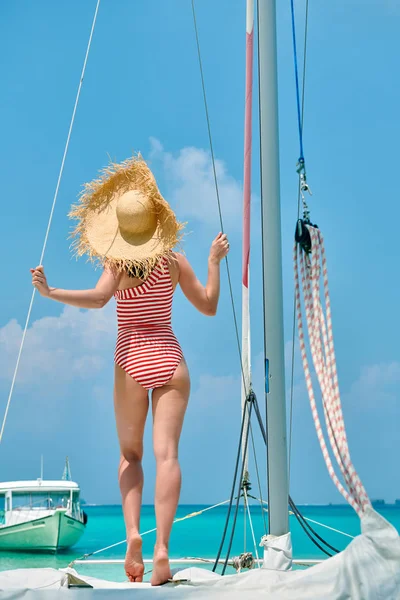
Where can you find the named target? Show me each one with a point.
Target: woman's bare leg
(131, 406)
(169, 406)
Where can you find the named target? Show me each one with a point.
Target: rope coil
(320, 332)
(243, 561)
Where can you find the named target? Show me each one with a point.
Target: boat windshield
(76, 509)
(41, 500)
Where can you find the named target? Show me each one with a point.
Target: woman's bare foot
(161, 568)
(134, 567)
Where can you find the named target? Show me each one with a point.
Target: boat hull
(48, 534)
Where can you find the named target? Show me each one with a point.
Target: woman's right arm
(204, 298)
(94, 298)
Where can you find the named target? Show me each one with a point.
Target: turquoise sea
(198, 536)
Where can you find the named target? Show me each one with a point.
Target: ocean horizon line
(190, 504)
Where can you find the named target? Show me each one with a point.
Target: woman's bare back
(127, 281)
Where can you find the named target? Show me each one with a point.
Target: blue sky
(142, 92)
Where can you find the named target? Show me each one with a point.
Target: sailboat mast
(277, 466)
(246, 355)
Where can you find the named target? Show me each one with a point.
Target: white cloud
(223, 390)
(191, 188)
(79, 344)
(76, 348)
(58, 349)
(375, 375)
(377, 386)
(390, 6)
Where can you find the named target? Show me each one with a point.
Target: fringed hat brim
(97, 233)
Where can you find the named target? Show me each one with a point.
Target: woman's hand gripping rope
(219, 248)
(39, 281)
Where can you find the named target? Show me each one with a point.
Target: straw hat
(123, 219)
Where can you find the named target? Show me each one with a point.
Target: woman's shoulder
(179, 263)
(175, 259)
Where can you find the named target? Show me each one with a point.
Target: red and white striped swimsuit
(147, 348)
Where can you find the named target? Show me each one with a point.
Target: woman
(124, 222)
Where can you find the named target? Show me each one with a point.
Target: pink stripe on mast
(247, 159)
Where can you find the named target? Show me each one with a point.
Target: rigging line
(298, 216)
(238, 495)
(300, 517)
(245, 387)
(310, 536)
(244, 525)
(217, 191)
(308, 519)
(328, 527)
(261, 425)
(258, 478)
(305, 526)
(50, 217)
(296, 71)
(304, 66)
(243, 423)
(295, 510)
(252, 529)
(260, 421)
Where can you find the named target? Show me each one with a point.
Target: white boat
(40, 515)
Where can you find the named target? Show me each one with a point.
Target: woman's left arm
(94, 298)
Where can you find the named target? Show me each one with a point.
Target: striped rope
(320, 333)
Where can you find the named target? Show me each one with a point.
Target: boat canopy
(38, 485)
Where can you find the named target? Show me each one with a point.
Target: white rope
(328, 527)
(189, 560)
(50, 218)
(251, 527)
(291, 513)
